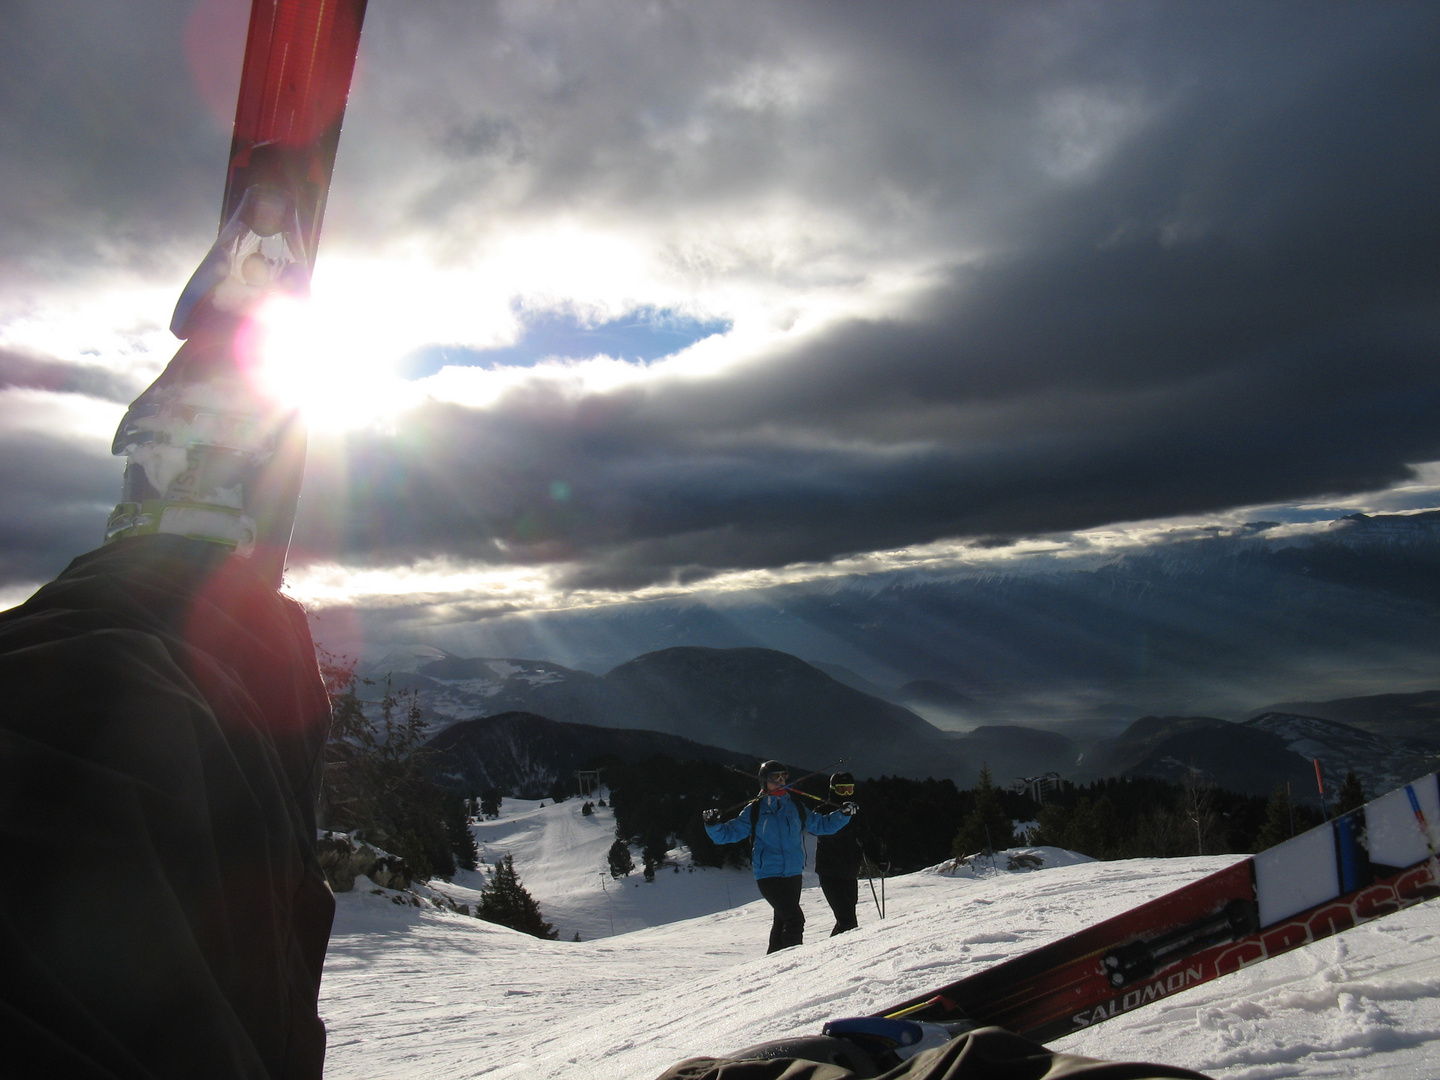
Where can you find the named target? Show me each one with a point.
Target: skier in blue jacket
(777, 822)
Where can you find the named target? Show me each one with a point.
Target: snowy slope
(424, 992)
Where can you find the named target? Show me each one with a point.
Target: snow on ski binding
(259, 253)
(210, 458)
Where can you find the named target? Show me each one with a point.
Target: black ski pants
(843, 895)
(788, 926)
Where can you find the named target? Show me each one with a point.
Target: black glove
(849, 809)
(711, 817)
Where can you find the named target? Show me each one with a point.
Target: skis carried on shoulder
(1371, 862)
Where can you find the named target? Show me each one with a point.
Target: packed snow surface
(677, 968)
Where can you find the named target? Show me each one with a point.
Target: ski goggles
(777, 777)
(843, 789)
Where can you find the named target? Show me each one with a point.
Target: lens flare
(321, 362)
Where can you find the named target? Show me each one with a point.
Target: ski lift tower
(588, 781)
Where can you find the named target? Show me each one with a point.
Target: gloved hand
(849, 809)
(711, 817)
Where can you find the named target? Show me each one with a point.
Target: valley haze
(1227, 624)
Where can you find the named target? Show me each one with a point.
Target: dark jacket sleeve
(160, 747)
(987, 1054)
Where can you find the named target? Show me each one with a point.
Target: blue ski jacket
(779, 846)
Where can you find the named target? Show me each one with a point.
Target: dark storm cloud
(57, 495)
(41, 373)
(57, 491)
(924, 125)
(1187, 258)
(1237, 306)
(111, 151)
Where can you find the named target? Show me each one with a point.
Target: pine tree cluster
(658, 802)
(1142, 817)
(988, 826)
(506, 902)
(375, 785)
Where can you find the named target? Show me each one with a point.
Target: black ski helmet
(841, 778)
(767, 767)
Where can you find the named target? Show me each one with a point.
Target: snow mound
(1019, 860)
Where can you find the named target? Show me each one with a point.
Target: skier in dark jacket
(837, 861)
(778, 856)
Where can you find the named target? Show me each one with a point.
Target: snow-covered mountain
(524, 754)
(457, 688)
(1274, 748)
(1415, 717)
(757, 702)
(676, 968)
(1378, 762)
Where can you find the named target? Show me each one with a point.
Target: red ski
(209, 455)
(299, 60)
(1364, 865)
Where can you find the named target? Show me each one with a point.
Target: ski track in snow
(422, 992)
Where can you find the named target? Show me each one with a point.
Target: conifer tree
(375, 784)
(1279, 820)
(505, 901)
(1351, 796)
(654, 848)
(987, 826)
(622, 863)
(462, 840)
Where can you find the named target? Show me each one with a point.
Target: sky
(621, 300)
(676, 968)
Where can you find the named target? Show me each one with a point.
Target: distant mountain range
(1207, 625)
(1270, 749)
(756, 702)
(742, 705)
(522, 754)
(1414, 717)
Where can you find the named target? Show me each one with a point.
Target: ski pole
(782, 791)
(796, 791)
(787, 788)
(871, 878)
(807, 776)
(739, 806)
(817, 772)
